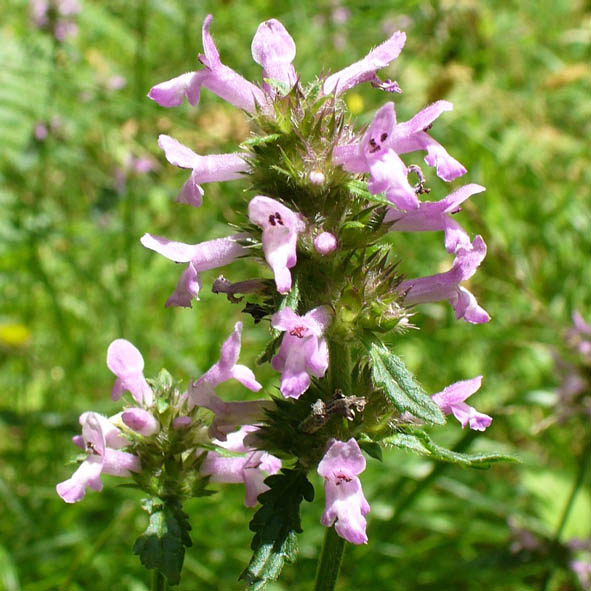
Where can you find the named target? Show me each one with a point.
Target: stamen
(298, 332)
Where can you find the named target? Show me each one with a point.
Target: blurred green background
(82, 178)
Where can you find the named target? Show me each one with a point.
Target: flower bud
(316, 177)
(181, 422)
(325, 243)
(141, 421)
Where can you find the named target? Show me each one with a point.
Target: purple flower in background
(57, 15)
(445, 286)
(303, 349)
(251, 468)
(345, 502)
(200, 257)
(127, 363)
(206, 169)
(281, 227)
(101, 443)
(579, 336)
(452, 401)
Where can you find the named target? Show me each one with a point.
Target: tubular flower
(378, 151)
(445, 286)
(100, 440)
(345, 502)
(228, 415)
(436, 215)
(206, 169)
(365, 70)
(451, 401)
(274, 49)
(200, 257)
(214, 76)
(227, 368)
(251, 469)
(303, 349)
(281, 227)
(127, 363)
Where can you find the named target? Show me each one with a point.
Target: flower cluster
(324, 197)
(140, 427)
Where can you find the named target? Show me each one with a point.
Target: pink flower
(445, 286)
(325, 243)
(274, 49)
(365, 70)
(200, 257)
(127, 363)
(436, 215)
(281, 227)
(345, 502)
(206, 169)
(100, 440)
(251, 469)
(215, 76)
(227, 368)
(141, 421)
(303, 349)
(378, 153)
(228, 415)
(451, 401)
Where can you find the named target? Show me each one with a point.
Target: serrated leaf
(275, 525)
(401, 387)
(162, 545)
(419, 442)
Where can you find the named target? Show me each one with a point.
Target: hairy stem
(329, 563)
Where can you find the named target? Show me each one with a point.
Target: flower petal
(365, 69)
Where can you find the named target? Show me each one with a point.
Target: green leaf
(359, 189)
(278, 86)
(371, 448)
(162, 545)
(419, 442)
(275, 525)
(400, 386)
(260, 140)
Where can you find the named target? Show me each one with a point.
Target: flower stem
(330, 560)
(159, 582)
(578, 483)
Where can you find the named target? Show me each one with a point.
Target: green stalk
(333, 546)
(578, 483)
(159, 582)
(330, 560)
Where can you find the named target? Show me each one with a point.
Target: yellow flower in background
(355, 103)
(14, 334)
